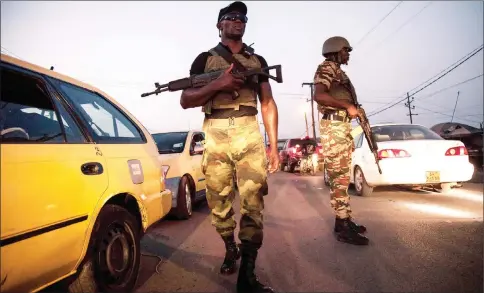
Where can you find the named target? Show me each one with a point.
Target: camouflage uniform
(336, 140)
(233, 144)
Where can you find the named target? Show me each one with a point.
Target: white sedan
(409, 154)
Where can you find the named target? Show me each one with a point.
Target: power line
(436, 112)
(468, 54)
(404, 24)
(378, 23)
(421, 89)
(465, 56)
(449, 87)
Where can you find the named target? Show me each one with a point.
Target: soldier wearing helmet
(335, 95)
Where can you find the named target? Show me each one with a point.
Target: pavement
(420, 241)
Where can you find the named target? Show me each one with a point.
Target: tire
(114, 225)
(292, 167)
(362, 188)
(184, 199)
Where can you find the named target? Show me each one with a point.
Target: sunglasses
(234, 17)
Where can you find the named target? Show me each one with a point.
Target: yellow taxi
(181, 154)
(80, 184)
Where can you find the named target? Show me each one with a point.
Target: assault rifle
(365, 126)
(364, 123)
(200, 80)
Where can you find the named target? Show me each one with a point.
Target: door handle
(92, 168)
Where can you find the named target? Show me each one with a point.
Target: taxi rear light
(392, 153)
(457, 151)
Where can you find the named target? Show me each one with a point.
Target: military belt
(331, 116)
(232, 121)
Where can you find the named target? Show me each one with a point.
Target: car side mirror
(197, 150)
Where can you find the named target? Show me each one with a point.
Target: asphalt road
(420, 241)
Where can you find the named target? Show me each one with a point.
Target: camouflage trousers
(337, 148)
(235, 144)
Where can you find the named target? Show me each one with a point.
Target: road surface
(420, 241)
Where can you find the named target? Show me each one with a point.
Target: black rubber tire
(366, 190)
(113, 220)
(182, 212)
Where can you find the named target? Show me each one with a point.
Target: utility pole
(410, 108)
(312, 105)
(456, 100)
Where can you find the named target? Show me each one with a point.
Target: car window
(280, 145)
(403, 132)
(357, 141)
(170, 142)
(196, 141)
(106, 123)
(28, 114)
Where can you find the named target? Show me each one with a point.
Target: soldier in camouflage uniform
(233, 143)
(333, 93)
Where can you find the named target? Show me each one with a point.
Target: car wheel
(326, 177)
(362, 188)
(184, 199)
(113, 258)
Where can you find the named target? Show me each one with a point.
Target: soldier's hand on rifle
(352, 111)
(229, 82)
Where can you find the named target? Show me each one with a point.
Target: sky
(123, 48)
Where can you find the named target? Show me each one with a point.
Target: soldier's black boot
(339, 224)
(347, 233)
(247, 281)
(232, 254)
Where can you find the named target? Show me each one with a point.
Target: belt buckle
(231, 121)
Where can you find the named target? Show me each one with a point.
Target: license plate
(432, 176)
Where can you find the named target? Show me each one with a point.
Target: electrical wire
(436, 112)
(371, 30)
(462, 58)
(421, 89)
(449, 87)
(404, 24)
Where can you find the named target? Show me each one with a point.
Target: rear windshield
(170, 142)
(403, 132)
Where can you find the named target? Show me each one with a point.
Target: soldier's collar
(243, 50)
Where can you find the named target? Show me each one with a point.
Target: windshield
(170, 142)
(280, 145)
(403, 132)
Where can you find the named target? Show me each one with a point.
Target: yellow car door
(123, 145)
(50, 178)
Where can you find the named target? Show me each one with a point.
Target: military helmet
(335, 44)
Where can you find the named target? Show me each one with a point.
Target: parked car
(410, 154)
(181, 156)
(291, 154)
(80, 184)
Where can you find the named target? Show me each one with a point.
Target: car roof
(54, 74)
(396, 124)
(36, 68)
